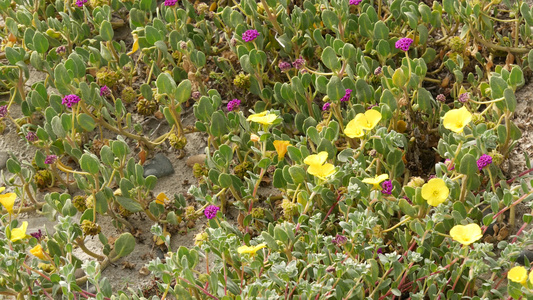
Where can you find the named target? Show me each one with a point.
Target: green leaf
(124, 245)
(224, 180)
(330, 19)
(165, 84)
(40, 42)
(510, 99)
(89, 163)
(129, 204)
(335, 89)
(381, 31)
(330, 60)
(183, 92)
(152, 35)
(497, 86)
(297, 174)
(468, 165)
(86, 122)
(13, 166)
(399, 79)
(424, 100)
(383, 48)
(363, 91)
(106, 31)
(407, 208)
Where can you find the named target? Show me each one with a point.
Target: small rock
(196, 159)
(3, 159)
(525, 253)
(159, 166)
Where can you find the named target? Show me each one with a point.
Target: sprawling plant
(383, 126)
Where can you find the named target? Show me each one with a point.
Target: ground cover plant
(382, 126)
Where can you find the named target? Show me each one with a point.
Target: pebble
(159, 166)
(523, 254)
(196, 159)
(3, 159)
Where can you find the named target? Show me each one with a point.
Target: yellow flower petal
(321, 171)
(376, 180)
(250, 250)
(373, 117)
(8, 201)
(354, 129)
(281, 148)
(2, 189)
(456, 119)
(19, 233)
(37, 251)
(316, 159)
(435, 191)
(518, 274)
(466, 234)
(135, 46)
(264, 118)
(161, 198)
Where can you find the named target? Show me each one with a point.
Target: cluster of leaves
(383, 126)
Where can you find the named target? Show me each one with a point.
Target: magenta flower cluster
(355, 2)
(210, 211)
(386, 187)
(299, 63)
(233, 104)
(38, 234)
(403, 44)
(377, 71)
(347, 95)
(170, 2)
(326, 106)
(105, 91)
(3, 111)
(80, 3)
(284, 66)
(250, 35)
(31, 136)
(484, 161)
(50, 159)
(441, 98)
(70, 100)
(464, 97)
(339, 240)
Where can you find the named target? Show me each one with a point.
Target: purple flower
(403, 44)
(380, 251)
(70, 100)
(326, 106)
(347, 95)
(62, 49)
(211, 211)
(408, 200)
(170, 2)
(284, 66)
(196, 95)
(484, 161)
(31, 136)
(105, 91)
(3, 111)
(441, 98)
(80, 3)
(355, 2)
(50, 159)
(339, 240)
(38, 235)
(299, 63)
(250, 35)
(386, 187)
(464, 97)
(233, 104)
(377, 71)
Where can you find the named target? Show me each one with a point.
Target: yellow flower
(161, 198)
(281, 148)
(435, 191)
(321, 171)
(466, 234)
(37, 251)
(264, 118)
(316, 159)
(7, 200)
(376, 181)
(318, 166)
(518, 274)
(456, 119)
(135, 46)
(367, 121)
(19, 233)
(250, 250)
